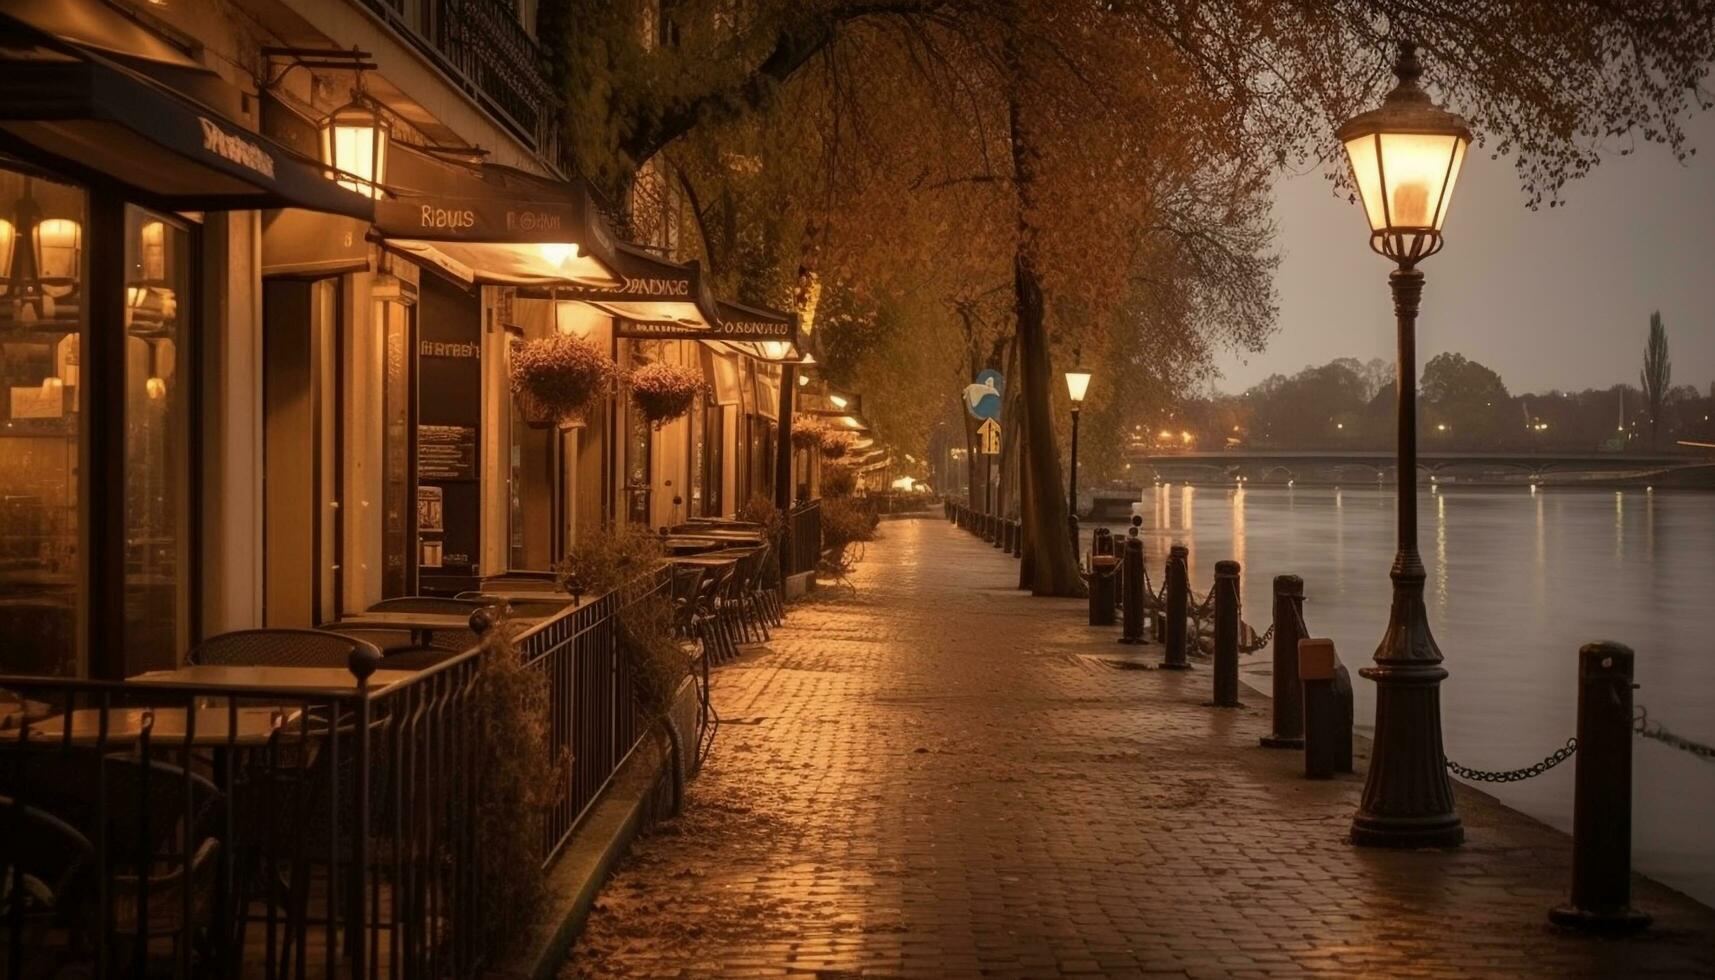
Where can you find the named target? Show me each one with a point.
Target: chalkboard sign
(446, 452)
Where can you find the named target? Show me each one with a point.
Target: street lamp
(354, 144)
(1077, 385)
(1405, 159)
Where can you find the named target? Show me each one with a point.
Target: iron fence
(324, 826)
(593, 718)
(804, 545)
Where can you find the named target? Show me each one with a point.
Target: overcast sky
(1550, 298)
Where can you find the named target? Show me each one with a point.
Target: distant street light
(1405, 159)
(1077, 386)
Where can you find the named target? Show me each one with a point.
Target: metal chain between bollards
(1261, 641)
(1654, 731)
(1515, 775)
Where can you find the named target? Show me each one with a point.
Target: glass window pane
(396, 450)
(41, 322)
(157, 253)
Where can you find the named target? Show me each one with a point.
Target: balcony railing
(483, 49)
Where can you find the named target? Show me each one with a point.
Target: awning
(494, 224)
(79, 112)
(763, 334)
(654, 299)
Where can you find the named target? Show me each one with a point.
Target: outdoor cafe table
(215, 726)
(421, 626)
(293, 681)
(691, 544)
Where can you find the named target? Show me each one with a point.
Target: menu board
(446, 452)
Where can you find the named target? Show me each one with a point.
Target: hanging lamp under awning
(82, 113)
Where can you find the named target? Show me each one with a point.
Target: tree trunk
(1011, 424)
(1054, 566)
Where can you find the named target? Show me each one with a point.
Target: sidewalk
(940, 777)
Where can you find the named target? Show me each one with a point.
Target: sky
(1555, 298)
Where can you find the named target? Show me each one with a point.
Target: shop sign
(237, 149)
(473, 219)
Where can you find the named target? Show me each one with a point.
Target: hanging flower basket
(664, 392)
(836, 443)
(556, 379)
(807, 432)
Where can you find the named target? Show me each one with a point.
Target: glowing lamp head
(8, 245)
(1077, 384)
(559, 253)
(1405, 159)
(156, 388)
(59, 249)
(839, 401)
(354, 143)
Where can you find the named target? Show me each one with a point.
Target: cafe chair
(279, 648)
(46, 877)
(145, 810)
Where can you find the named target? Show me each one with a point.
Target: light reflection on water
(1518, 580)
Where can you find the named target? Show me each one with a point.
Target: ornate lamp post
(1405, 159)
(1077, 385)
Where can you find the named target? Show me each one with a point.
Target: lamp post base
(1408, 797)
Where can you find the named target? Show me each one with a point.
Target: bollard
(1000, 525)
(1178, 603)
(1226, 634)
(1018, 541)
(1327, 709)
(1288, 730)
(1132, 627)
(1077, 539)
(1602, 797)
(1102, 571)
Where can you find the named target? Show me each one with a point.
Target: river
(1517, 581)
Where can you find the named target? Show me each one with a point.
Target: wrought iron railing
(483, 49)
(327, 829)
(593, 719)
(804, 545)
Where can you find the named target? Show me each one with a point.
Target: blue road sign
(982, 396)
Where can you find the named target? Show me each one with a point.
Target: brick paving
(941, 777)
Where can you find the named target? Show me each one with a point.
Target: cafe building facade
(262, 270)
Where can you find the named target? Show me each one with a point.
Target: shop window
(157, 300)
(397, 505)
(41, 324)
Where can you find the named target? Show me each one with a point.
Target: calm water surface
(1517, 581)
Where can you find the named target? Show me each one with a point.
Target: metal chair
(279, 648)
(45, 874)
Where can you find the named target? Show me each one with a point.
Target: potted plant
(664, 392)
(835, 443)
(555, 379)
(807, 432)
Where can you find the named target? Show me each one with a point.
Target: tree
(1656, 377)
(1467, 399)
(1106, 162)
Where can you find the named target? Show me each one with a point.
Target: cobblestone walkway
(939, 777)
